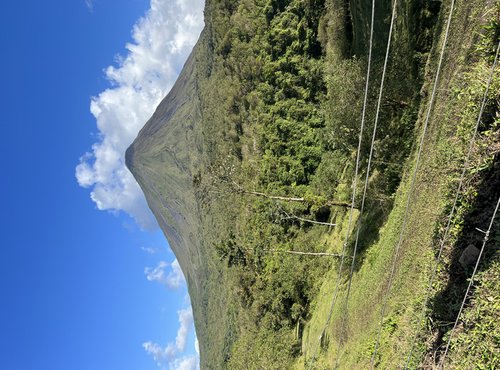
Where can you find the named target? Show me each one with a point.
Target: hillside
(251, 166)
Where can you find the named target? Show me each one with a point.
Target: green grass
(433, 191)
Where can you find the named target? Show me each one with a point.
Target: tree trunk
(294, 199)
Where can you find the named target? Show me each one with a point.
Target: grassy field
(445, 145)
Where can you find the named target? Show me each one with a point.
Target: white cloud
(176, 277)
(162, 40)
(185, 321)
(150, 250)
(90, 4)
(172, 353)
(185, 363)
(173, 279)
(160, 354)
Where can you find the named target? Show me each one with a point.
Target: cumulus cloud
(162, 40)
(185, 321)
(169, 355)
(185, 363)
(159, 353)
(172, 279)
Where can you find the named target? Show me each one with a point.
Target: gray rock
(469, 256)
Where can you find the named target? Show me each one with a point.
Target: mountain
(250, 165)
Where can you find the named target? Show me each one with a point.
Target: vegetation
(279, 88)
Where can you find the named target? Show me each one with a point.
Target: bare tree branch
(288, 199)
(313, 253)
(291, 216)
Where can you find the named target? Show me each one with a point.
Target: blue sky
(82, 286)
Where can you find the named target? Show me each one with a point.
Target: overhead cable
(412, 185)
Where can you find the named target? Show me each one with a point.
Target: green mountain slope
(248, 165)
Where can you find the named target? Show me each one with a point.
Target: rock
(469, 256)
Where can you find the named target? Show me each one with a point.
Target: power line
(471, 281)
(354, 185)
(412, 185)
(455, 201)
(367, 176)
